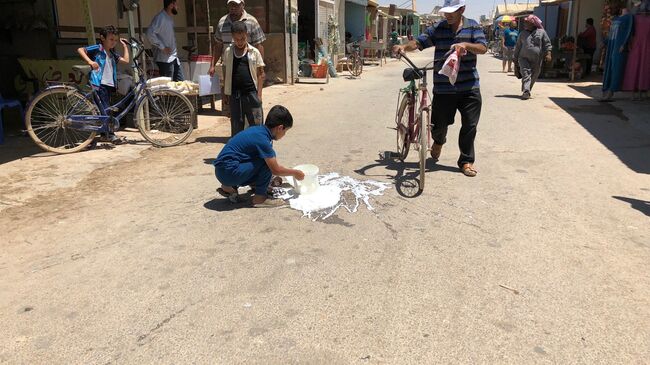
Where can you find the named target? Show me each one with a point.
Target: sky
(474, 8)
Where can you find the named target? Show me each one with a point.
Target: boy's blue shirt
(97, 54)
(511, 37)
(253, 143)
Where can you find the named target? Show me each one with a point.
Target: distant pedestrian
(508, 44)
(244, 78)
(533, 48)
(162, 37)
(587, 41)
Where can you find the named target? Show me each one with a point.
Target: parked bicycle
(413, 117)
(355, 61)
(63, 118)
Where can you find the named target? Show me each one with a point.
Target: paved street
(128, 256)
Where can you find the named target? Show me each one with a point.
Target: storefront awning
(358, 2)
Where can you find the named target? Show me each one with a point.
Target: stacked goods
(183, 87)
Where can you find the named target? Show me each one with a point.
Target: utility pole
(414, 6)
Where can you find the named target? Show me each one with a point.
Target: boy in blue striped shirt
(103, 60)
(455, 33)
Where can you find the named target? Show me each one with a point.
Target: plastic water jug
(310, 183)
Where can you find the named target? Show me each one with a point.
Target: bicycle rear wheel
(166, 119)
(48, 124)
(403, 133)
(423, 140)
(357, 66)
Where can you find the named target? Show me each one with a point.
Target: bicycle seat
(82, 68)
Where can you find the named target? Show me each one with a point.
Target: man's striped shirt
(441, 36)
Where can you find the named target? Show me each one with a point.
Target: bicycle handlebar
(417, 69)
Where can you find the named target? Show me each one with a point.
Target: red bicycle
(413, 116)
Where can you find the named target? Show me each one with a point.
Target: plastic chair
(8, 103)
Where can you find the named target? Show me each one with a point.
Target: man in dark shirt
(455, 33)
(587, 40)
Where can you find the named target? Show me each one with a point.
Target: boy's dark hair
(590, 21)
(279, 115)
(109, 30)
(239, 27)
(166, 3)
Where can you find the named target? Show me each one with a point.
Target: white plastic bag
(451, 67)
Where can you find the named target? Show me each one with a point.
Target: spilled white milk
(335, 191)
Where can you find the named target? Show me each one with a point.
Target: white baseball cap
(451, 6)
(235, 1)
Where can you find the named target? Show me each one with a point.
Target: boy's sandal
(468, 170)
(231, 196)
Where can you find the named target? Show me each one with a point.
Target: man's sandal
(468, 170)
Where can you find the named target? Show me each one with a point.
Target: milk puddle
(335, 192)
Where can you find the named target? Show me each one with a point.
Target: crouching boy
(249, 159)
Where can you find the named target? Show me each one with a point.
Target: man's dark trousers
(442, 116)
(172, 69)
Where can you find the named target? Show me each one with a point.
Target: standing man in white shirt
(162, 37)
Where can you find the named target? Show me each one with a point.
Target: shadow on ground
(222, 204)
(216, 140)
(623, 128)
(642, 206)
(406, 173)
(19, 147)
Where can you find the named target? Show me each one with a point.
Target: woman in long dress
(533, 47)
(637, 71)
(616, 57)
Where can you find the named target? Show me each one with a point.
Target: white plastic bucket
(310, 182)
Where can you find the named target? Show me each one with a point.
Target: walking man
(455, 33)
(162, 37)
(533, 49)
(223, 37)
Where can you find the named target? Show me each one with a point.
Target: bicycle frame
(412, 90)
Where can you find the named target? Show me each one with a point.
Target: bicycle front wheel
(403, 133)
(48, 124)
(165, 120)
(423, 140)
